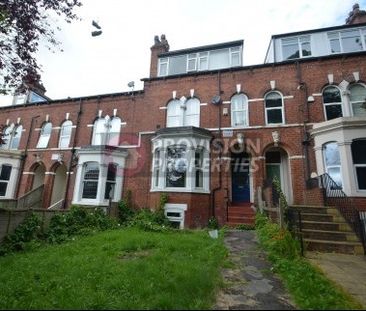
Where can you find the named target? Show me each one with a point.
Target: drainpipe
(74, 144)
(220, 152)
(306, 134)
(23, 158)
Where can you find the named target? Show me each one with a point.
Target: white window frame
(183, 117)
(299, 46)
(13, 133)
(63, 137)
(332, 104)
(6, 181)
(282, 108)
(90, 180)
(192, 57)
(47, 137)
(107, 133)
(355, 166)
(354, 102)
(163, 61)
(201, 56)
(327, 167)
(233, 52)
(362, 33)
(245, 109)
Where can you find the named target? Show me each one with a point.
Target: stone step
(321, 217)
(326, 226)
(241, 219)
(241, 213)
(354, 248)
(329, 235)
(234, 224)
(316, 209)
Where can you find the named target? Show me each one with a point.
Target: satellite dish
(131, 84)
(216, 100)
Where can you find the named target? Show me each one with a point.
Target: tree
(23, 23)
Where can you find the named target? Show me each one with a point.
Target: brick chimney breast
(160, 46)
(356, 16)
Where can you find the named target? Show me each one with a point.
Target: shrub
(28, 230)
(245, 227)
(213, 223)
(125, 209)
(148, 220)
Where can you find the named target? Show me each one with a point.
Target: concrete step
(321, 217)
(326, 226)
(234, 224)
(329, 235)
(316, 209)
(239, 213)
(241, 219)
(354, 248)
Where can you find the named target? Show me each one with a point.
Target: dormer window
(347, 41)
(296, 47)
(163, 66)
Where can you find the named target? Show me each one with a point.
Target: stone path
(348, 271)
(250, 284)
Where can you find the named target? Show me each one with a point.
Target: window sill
(181, 190)
(93, 203)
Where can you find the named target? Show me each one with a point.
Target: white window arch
(239, 110)
(183, 112)
(274, 109)
(16, 136)
(65, 134)
(107, 131)
(358, 99)
(45, 136)
(7, 136)
(332, 101)
(332, 162)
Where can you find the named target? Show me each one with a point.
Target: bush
(125, 209)
(245, 227)
(213, 223)
(148, 220)
(28, 230)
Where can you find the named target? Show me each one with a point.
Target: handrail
(334, 195)
(56, 205)
(31, 198)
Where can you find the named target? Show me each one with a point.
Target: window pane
(176, 167)
(64, 142)
(91, 171)
(331, 154)
(359, 151)
(358, 93)
(47, 128)
(174, 114)
(235, 59)
(238, 102)
(351, 41)
(273, 100)
(6, 137)
(290, 51)
(333, 111)
(359, 109)
(331, 95)
(112, 172)
(192, 113)
(199, 179)
(163, 71)
(273, 157)
(90, 190)
(335, 46)
(109, 190)
(17, 133)
(192, 64)
(239, 118)
(274, 116)
(335, 174)
(66, 128)
(361, 177)
(3, 186)
(177, 64)
(45, 135)
(5, 172)
(219, 59)
(306, 49)
(203, 64)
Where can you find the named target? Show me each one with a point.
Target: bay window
(359, 162)
(332, 101)
(4, 178)
(358, 99)
(176, 167)
(90, 180)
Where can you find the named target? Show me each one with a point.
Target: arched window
(332, 161)
(239, 110)
(111, 181)
(107, 131)
(4, 178)
(90, 180)
(65, 134)
(359, 161)
(7, 137)
(45, 135)
(274, 108)
(183, 112)
(192, 114)
(15, 137)
(332, 101)
(174, 114)
(358, 99)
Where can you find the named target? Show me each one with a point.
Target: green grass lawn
(120, 269)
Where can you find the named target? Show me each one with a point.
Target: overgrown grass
(119, 269)
(308, 286)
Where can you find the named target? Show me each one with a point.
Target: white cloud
(105, 64)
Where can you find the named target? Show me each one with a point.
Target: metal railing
(333, 195)
(31, 199)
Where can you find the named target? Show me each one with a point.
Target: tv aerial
(98, 32)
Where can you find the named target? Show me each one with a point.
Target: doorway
(240, 178)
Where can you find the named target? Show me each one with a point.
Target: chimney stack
(160, 46)
(356, 16)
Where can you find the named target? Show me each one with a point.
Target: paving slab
(250, 284)
(348, 271)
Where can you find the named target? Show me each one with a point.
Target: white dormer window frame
(162, 62)
(338, 37)
(192, 59)
(299, 41)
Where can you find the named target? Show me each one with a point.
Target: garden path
(250, 284)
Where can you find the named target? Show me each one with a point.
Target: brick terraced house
(205, 129)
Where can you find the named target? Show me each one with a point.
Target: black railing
(294, 222)
(333, 195)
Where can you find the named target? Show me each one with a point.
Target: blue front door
(240, 184)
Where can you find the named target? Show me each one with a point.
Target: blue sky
(105, 64)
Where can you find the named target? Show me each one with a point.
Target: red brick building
(205, 129)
